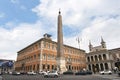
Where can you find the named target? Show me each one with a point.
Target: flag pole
(78, 40)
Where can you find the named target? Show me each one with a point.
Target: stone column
(107, 56)
(109, 66)
(99, 67)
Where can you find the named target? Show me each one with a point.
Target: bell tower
(90, 46)
(103, 44)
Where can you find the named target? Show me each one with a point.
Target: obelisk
(61, 66)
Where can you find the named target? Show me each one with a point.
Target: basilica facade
(100, 58)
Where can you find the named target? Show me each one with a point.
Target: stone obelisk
(61, 67)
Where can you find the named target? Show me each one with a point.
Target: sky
(22, 22)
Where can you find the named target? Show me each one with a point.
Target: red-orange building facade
(41, 55)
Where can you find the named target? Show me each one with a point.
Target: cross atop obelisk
(60, 53)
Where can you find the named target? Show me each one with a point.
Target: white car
(1, 78)
(106, 72)
(31, 73)
(42, 72)
(51, 74)
(10, 72)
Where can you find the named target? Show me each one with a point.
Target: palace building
(42, 55)
(46, 54)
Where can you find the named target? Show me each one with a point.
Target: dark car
(69, 72)
(89, 72)
(23, 73)
(15, 73)
(81, 73)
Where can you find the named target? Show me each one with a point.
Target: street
(62, 77)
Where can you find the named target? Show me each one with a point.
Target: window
(38, 55)
(34, 56)
(43, 66)
(56, 48)
(88, 59)
(39, 45)
(104, 57)
(48, 45)
(37, 66)
(43, 56)
(92, 58)
(49, 57)
(53, 47)
(31, 57)
(36, 46)
(44, 44)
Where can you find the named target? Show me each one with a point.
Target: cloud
(86, 19)
(108, 29)
(93, 19)
(17, 38)
(76, 13)
(14, 37)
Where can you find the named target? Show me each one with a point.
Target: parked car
(51, 74)
(42, 72)
(31, 73)
(69, 72)
(23, 73)
(1, 78)
(15, 73)
(81, 73)
(106, 72)
(88, 72)
(10, 72)
(117, 64)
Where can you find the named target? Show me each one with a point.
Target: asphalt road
(112, 77)
(62, 77)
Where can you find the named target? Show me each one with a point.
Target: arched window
(101, 66)
(106, 66)
(100, 58)
(96, 59)
(104, 57)
(97, 67)
(89, 67)
(92, 58)
(88, 59)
